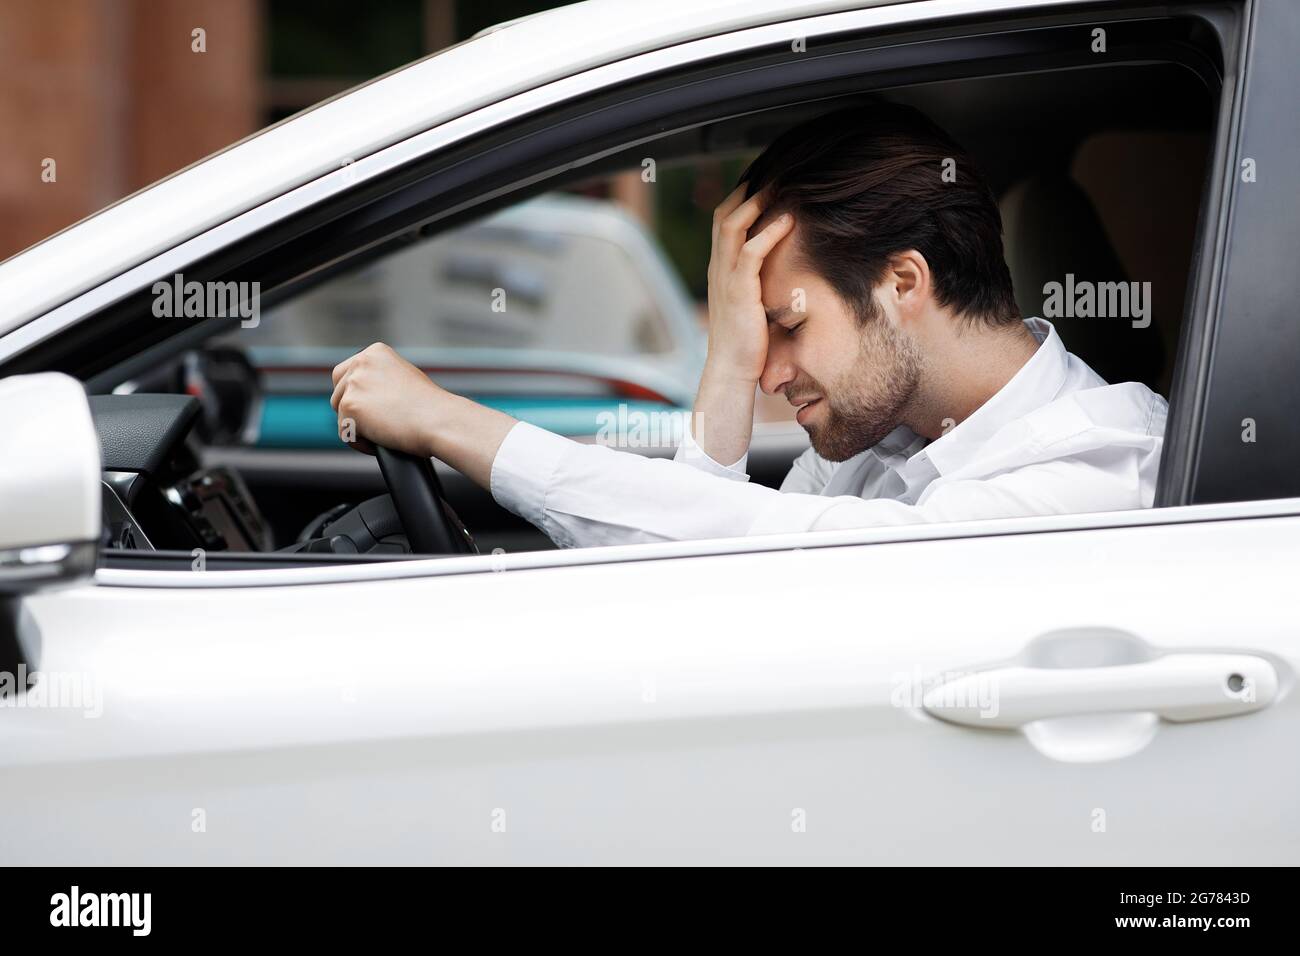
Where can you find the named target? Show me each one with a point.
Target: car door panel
(660, 711)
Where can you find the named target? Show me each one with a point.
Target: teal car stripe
(308, 421)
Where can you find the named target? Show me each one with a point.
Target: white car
(1066, 689)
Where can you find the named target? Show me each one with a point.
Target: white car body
(648, 704)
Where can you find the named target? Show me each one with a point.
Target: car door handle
(1177, 687)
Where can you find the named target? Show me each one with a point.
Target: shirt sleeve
(690, 453)
(1105, 479)
(808, 475)
(585, 495)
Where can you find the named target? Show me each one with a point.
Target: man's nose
(778, 370)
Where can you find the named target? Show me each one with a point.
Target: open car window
(555, 310)
(627, 336)
(557, 273)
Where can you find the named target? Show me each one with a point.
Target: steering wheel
(430, 524)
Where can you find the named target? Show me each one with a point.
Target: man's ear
(909, 282)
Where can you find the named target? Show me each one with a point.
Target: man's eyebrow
(777, 314)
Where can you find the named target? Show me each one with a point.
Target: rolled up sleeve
(690, 453)
(524, 468)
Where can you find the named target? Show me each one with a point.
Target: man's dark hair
(868, 182)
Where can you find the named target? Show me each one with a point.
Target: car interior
(1101, 172)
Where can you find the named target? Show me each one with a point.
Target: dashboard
(156, 495)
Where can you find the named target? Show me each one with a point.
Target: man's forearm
(466, 435)
(723, 422)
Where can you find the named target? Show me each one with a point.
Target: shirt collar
(897, 442)
(1037, 382)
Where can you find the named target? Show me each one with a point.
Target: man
(858, 271)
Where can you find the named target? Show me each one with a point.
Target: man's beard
(868, 404)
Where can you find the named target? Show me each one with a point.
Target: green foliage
(685, 198)
(306, 38)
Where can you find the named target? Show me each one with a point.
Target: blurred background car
(558, 311)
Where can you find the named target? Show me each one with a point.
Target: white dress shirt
(1056, 439)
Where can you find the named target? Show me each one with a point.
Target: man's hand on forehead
(774, 316)
(765, 219)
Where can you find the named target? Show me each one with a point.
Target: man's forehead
(781, 269)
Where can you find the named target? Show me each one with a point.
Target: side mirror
(50, 496)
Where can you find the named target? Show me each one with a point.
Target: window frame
(1250, 349)
(351, 212)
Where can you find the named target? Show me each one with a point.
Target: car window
(571, 305)
(555, 273)
(562, 309)
(559, 310)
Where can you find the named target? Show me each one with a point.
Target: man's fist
(383, 399)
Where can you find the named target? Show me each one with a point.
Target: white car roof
(495, 64)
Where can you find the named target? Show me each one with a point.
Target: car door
(1073, 689)
(640, 705)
